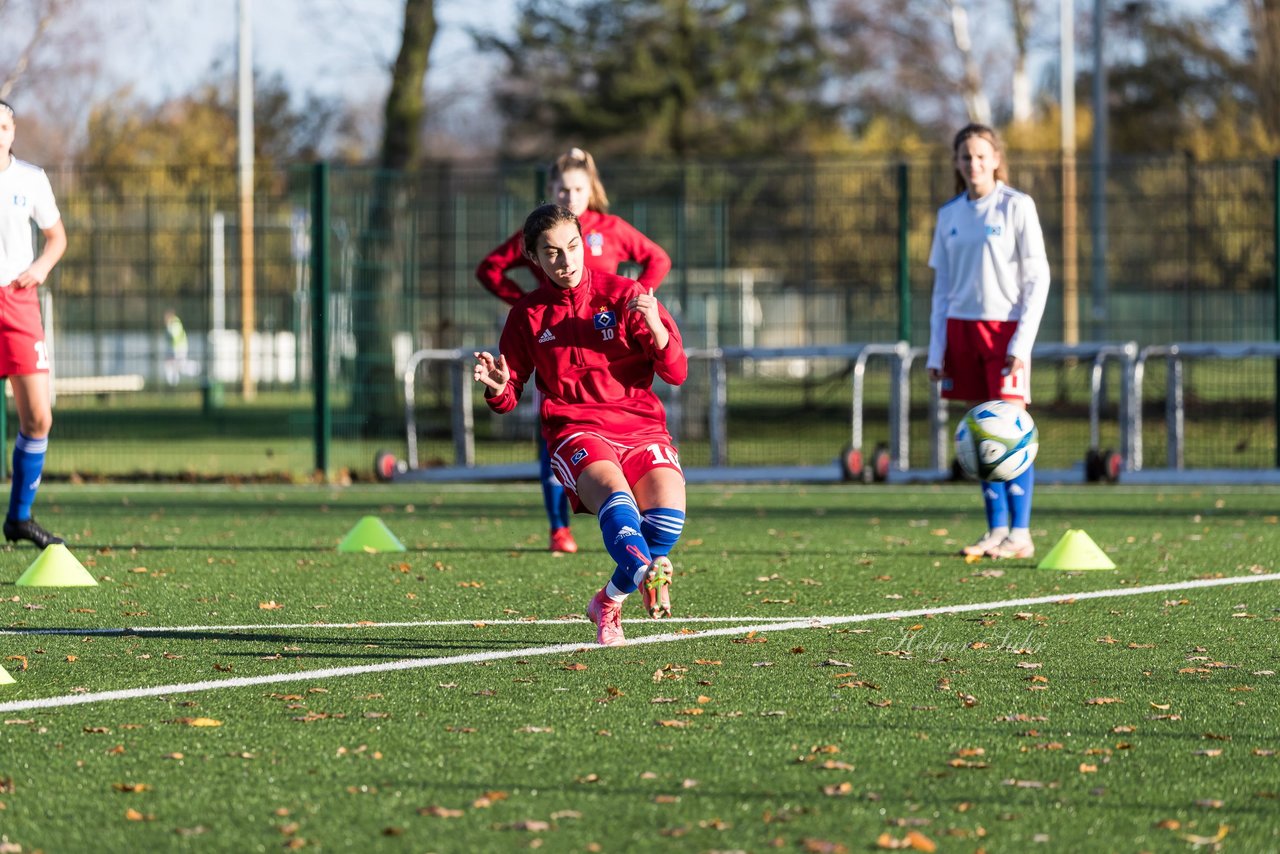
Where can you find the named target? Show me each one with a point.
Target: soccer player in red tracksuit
(25, 197)
(610, 240)
(593, 342)
(991, 281)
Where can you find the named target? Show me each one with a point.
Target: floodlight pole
(1099, 200)
(244, 126)
(1067, 102)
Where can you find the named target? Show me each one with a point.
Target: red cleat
(562, 541)
(607, 615)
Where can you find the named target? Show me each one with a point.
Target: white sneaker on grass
(986, 543)
(1011, 548)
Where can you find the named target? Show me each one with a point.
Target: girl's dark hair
(7, 107)
(991, 136)
(543, 219)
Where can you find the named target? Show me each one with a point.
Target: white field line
(364, 624)
(572, 648)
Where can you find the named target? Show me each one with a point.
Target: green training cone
(370, 535)
(56, 567)
(5, 678)
(1076, 551)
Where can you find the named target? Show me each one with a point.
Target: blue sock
(28, 464)
(553, 495)
(996, 499)
(662, 527)
(1019, 490)
(620, 527)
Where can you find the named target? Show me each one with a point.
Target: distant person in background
(25, 197)
(991, 281)
(175, 357)
(593, 342)
(610, 240)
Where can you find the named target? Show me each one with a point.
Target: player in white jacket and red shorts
(991, 281)
(25, 197)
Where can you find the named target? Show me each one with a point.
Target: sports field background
(1129, 722)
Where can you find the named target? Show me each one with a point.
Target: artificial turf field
(834, 679)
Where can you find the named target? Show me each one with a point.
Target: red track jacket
(593, 359)
(607, 240)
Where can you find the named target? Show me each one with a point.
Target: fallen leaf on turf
(133, 815)
(273, 605)
(822, 846)
(1104, 701)
(202, 722)
(915, 840)
(1223, 830)
(440, 812)
(839, 790)
(130, 787)
(528, 825)
(21, 659)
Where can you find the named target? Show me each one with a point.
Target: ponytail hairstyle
(540, 221)
(990, 135)
(576, 158)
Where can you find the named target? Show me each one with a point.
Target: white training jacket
(25, 195)
(989, 263)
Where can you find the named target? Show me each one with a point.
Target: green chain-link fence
(777, 254)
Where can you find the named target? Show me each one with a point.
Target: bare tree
(44, 12)
(1020, 13)
(375, 309)
(1264, 24)
(975, 99)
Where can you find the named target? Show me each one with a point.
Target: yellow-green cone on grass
(5, 678)
(371, 536)
(56, 567)
(1076, 551)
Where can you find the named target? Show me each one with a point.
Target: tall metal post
(1099, 201)
(320, 314)
(244, 125)
(1275, 289)
(904, 259)
(1067, 102)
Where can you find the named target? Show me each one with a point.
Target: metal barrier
(889, 461)
(854, 465)
(1175, 404)
(1099, 464)
(850, 463)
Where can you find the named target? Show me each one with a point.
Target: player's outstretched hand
(492, 372)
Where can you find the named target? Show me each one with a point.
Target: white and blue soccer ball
(996, 440)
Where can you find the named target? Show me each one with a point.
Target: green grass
(821, 738)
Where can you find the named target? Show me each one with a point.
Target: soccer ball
(996, 441)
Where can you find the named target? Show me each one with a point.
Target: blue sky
(331, 47)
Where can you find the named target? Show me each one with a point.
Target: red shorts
(977, 353)
(22, 349)
(573, 453)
